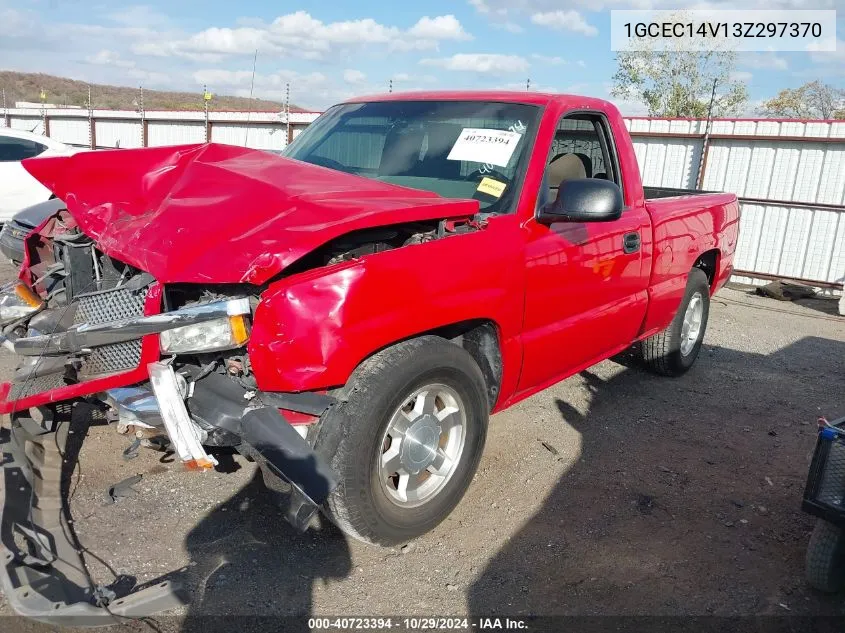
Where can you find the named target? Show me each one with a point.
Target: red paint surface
(220, 213)
(562, 297)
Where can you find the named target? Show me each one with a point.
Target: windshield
(457, 149)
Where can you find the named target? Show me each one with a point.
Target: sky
(330, 50)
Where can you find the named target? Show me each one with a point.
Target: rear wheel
(406, 440)
(674, 350)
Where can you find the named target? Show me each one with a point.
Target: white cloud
(14, 23)
(139, 16)
(480, 63)
(301, 35)
(833, 61)
(762, 61)
(489, 7)
(510, 27)
(417, 79)
(443, 27)
(314, 88)
(109, 58)
(352, 76)
(480, 6)
(498, 16)
(548, 60)
(565, 21)
(741, 75)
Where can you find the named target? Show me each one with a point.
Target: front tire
(674, 350)
(405, 440)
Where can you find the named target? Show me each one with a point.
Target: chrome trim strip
(86, 336)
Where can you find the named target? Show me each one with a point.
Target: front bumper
(42, 571)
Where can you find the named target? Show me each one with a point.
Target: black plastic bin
(824, 497)
(824, 494)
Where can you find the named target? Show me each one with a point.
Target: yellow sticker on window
(491, 187)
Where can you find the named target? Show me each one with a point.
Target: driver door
(585, 281)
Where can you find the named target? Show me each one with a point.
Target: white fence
(788, 174)
(100, 129)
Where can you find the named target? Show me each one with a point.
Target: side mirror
(584, 200)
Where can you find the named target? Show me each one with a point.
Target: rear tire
(395, 412)
(674, 350)
(825, 561)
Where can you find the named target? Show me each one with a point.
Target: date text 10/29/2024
(417, 624)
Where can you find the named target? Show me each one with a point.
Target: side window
(582, 148)
(17, 149)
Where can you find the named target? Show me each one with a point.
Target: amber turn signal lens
(240, 330)
(27, 296)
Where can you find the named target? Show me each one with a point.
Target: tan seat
(566, 167)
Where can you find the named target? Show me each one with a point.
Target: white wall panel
(116, 133)
(772, 235)
(71, 131)
(836, 271)
(175, 133)
(34, 124)
(796, 243)
(258, 136)
(821, 244)
(784, 171)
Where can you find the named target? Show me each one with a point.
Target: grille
(825, 491)
(36, 385)
(110, 305)
(102, 307)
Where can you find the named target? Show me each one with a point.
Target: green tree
(679, 83)
(673, 81)
(813, 100)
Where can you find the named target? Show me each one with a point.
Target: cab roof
(507, 96)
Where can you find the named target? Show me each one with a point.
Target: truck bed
(653, 193)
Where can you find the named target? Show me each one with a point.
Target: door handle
(631, 242)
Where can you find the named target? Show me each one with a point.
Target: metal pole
(287, 114)
(92, 135)
(45, 131)
(699, 180)
(390, 86)
(5, 111)
(205, 109)
(143, 114)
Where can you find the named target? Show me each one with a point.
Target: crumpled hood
(219, 213)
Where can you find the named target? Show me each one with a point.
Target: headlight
(16, 302)
(220, 334)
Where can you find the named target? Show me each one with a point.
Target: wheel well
(481, 339)
(708, 262)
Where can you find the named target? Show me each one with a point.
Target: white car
(18, 189)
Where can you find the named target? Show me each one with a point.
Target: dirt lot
(614, 492)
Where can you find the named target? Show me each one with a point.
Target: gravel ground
(614, 492)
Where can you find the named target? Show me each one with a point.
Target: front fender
(311, 330)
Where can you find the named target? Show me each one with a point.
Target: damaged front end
(167, 362)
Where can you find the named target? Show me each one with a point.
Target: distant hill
(28, 87)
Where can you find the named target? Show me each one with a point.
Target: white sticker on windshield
(485, 146)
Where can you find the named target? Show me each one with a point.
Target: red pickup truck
(347, 315)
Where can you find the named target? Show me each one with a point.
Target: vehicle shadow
(250, 570)
(685, 498)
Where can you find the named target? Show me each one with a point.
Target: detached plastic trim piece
(53, 586)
